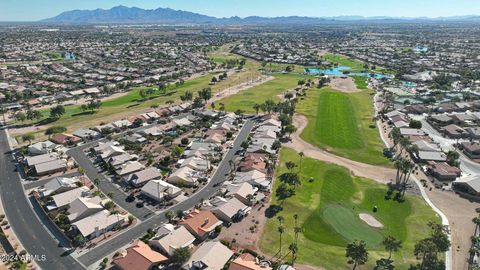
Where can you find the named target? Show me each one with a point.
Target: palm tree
(357, 253)
(301, 154)
(293, 249)
(256, 107)
(96, 181)
(281, 230)
(391, 244)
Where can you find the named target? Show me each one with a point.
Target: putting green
(342, 221)
(327, 207)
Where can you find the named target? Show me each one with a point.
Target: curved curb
(448, 254)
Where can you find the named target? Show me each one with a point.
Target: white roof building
(210, 255)
(160, 190)
(178, 238)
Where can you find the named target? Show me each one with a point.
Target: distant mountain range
(131, 15)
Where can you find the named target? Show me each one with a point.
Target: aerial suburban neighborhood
(140, 138)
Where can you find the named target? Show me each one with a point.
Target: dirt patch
(370, 220)
(344, 84)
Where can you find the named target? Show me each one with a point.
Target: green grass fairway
(340, 123)
(355, 64)
(361, 82)
(341, 60)
(245, 99)
(328, 210)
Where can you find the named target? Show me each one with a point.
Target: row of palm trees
(293, 247)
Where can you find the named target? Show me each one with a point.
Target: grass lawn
(355, 64)
(245, 99)
(361, 82)
(341, 60)
(342, 123)
(328, 209)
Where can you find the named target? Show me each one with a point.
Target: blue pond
(338, 71)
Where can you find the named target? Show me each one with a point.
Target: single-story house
(200, 223)
(159, 190)
(469, 184)
(60, 184)
(231, 210)
(129, 167)
(139, 178)
(63, 199)
(471, 149)
(98, 224)
(180, 237)
(41, 148)
(83, 207)
(247, 261)
(184, 176)
(50, 167)
(244, 192)
(65, 139)
(210, 255)
(139, 256)
(442, 171)
(87, 134)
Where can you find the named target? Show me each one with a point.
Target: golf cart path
(377, 173)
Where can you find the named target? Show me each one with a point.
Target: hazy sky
(31, 10)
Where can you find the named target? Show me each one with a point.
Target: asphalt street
(97, 253)
(28, 228)
(106, 186)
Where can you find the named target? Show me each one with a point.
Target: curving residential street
(28, 228)
(39, 241)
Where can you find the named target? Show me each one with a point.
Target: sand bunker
(344, 84)
(371, 221)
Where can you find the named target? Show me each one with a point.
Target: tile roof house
(65, 139)
(471, 149)
(160, 190)
(139, 178)
(97, 224)
(177, 238)
(442, 171)
(139, 256)
(210, 255)
(200, 223)
(454, 131)
(253, 161)
(247, 261)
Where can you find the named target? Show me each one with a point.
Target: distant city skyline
(33, 10)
